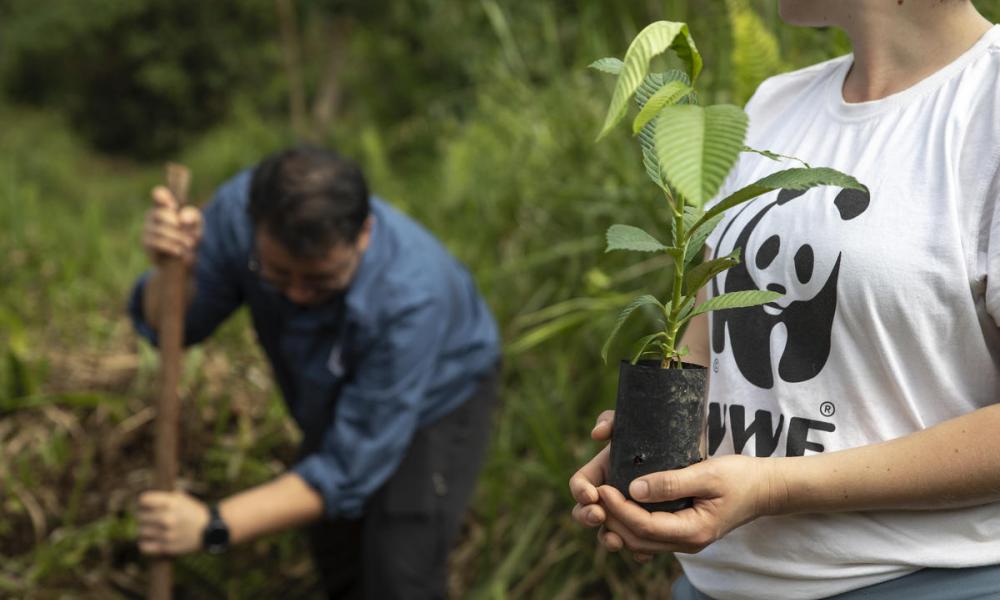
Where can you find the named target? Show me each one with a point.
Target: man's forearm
(955, 463)
(284, 503)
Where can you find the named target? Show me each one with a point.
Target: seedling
(688, 151)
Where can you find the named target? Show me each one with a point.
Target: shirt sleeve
(377, 412)
(217, 288)
(991, 220)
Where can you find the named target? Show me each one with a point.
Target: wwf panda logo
(808, 322)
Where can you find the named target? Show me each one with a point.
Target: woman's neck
(897, 44)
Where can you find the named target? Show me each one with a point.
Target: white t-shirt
(889, 324)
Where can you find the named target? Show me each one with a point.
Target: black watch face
(216, 538)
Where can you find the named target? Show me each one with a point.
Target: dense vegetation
(476, 117)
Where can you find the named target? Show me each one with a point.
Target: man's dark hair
(309, 200)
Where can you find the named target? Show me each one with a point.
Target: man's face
(309, 281)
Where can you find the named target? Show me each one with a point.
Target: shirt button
(440, 486)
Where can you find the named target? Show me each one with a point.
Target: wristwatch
(215, 538)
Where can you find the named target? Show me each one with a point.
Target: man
(385, 353)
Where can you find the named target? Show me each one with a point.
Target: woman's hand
(583, 484)
(728, 491)
(171, 523)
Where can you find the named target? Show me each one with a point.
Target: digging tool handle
(171, 337)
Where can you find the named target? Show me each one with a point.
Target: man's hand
(171, 523)
(728, 491)
(169, 233)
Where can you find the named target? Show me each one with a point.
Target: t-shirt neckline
(853, 111)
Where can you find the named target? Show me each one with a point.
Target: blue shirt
(405, 344)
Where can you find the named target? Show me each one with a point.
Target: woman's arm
(953, 464)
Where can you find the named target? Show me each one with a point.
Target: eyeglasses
(328, 283)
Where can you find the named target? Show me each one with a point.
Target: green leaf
(789, 179)
(644, 343)
(669, 94)
(626, 237)
(623, 316)
(682, 316)
(651, 84)
(654, 81)
(651, 41)
(701, 231)
(775, 156)
(542, 333)
(736, 300)
(607, 64)
(652, 167)
(697, 277)
(647, 141)
(567, 307)
(697, 147)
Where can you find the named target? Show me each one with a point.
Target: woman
(856, 444)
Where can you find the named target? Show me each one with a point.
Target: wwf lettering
(766, 434)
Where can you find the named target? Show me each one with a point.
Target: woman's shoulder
(778, 90)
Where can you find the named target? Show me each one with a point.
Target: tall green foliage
(138, 77)
(755, 55)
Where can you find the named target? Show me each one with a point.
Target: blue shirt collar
(359, 293)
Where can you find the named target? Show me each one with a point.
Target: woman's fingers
(634, 541)
(695, 481)
(687, 530)
(583, 484)
(605, 423)
(590, 515)
(610, 540)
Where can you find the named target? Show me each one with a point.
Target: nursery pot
(659, 424)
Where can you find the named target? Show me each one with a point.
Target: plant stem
(675, 305)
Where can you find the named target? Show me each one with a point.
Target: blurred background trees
(477, 117)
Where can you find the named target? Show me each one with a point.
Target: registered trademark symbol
(715, 366)
(827, 409)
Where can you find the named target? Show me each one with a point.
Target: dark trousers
(399, 547)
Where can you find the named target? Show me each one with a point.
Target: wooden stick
(171, 336)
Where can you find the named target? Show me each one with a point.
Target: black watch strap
(215, 538)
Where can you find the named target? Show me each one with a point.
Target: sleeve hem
(333, 506)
